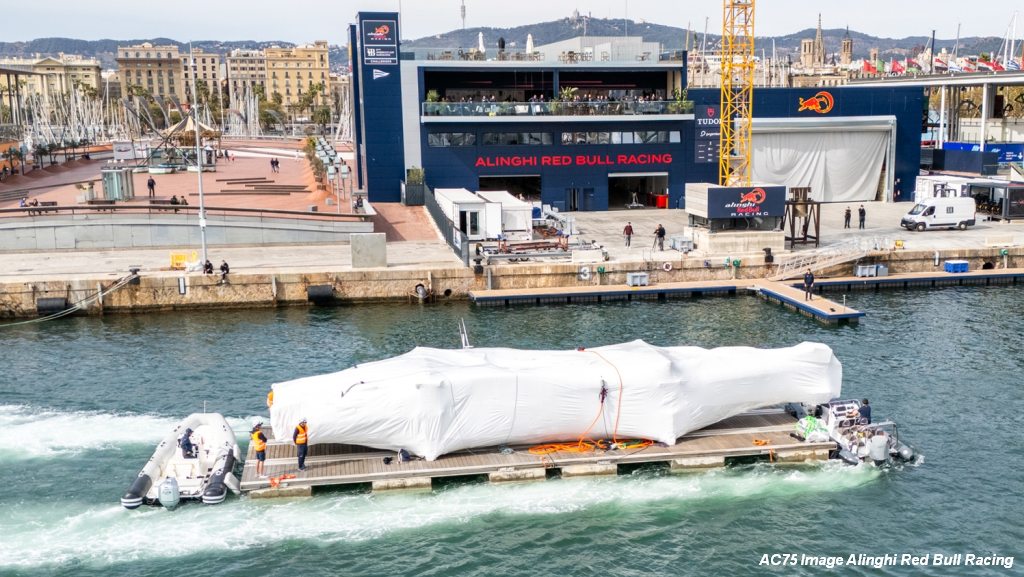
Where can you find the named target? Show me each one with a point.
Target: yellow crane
(737, 93)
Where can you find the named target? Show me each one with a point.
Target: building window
(586, 137)
(516, 138)
(451, 139)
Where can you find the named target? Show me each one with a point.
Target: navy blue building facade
(573, 158)
(377, 85)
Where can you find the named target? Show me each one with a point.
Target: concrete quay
(269, 276)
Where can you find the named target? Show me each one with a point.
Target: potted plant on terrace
(414, 187)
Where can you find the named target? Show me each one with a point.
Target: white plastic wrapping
(435, 401)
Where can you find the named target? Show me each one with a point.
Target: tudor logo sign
(822, 103)
(378, 74)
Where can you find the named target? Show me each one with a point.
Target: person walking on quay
(627, 233)
(659, 237)
(808, 285)
(846, 218)
(301, 439)
(259, 444)
(151, 186)
(861, 215)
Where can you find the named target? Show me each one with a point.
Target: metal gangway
(823, 258)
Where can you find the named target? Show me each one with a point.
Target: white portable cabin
(939, 185)
(516, 215)
(474, 216)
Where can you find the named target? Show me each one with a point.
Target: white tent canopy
(840, 159)
(432, 401)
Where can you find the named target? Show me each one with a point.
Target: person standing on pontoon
(259, 445)
(301, 439)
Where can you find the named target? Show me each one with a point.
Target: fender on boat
(133, 498)
(217, 490)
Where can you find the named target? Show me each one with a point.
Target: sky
(302, 21)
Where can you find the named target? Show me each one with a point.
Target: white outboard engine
(170, 496)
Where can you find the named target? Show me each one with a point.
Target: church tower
(819, 46)
(846, 52)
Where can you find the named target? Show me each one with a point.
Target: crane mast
(737, 93)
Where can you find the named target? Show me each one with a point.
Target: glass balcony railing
(556, 108)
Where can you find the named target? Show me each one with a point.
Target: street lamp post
(199, 156)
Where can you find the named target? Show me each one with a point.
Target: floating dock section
(789, 294)
(819, 308)
(760, 434)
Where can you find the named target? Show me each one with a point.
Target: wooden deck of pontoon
(764, 433)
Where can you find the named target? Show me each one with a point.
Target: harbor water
(83, 401)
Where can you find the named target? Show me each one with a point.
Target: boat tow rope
(78, 305)
(585, 444)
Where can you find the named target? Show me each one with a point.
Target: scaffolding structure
(737, 93)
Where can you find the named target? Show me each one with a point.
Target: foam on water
(33, 433)
(104, 534)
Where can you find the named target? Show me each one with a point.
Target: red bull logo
(821, 103)
(755, 196)
(380, 32)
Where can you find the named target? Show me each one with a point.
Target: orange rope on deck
(586, 445)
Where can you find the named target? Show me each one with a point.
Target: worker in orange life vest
(301, 438)
(270, 398)
(259, 444)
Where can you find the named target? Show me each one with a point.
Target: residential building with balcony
(202, 67)
(292, 72)
(156, 70)
(246, 73)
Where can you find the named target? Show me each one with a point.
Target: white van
(941, 212)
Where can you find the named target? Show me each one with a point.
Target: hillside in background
(670, 37)
(673, 38)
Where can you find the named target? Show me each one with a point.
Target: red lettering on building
(578, 160)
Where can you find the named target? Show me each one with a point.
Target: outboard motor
(217, 490)
(170, 496)
(133, 498)
(904, 452)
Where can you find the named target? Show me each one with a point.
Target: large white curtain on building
(839, 164)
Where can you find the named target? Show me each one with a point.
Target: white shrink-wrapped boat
(434, 401)
(194, 461)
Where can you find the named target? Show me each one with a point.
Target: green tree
(322, 116)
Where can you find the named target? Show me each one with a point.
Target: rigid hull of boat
(207, 476)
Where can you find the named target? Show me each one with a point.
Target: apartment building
(158, 70)
(292, 72)
(246, 70)
(204, 67)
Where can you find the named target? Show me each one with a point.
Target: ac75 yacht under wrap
(435, 401)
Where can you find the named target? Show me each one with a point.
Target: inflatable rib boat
(194, 461)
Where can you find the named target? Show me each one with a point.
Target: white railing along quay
(829, 256)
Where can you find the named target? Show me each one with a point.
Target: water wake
(105, 534)
(34, 433)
